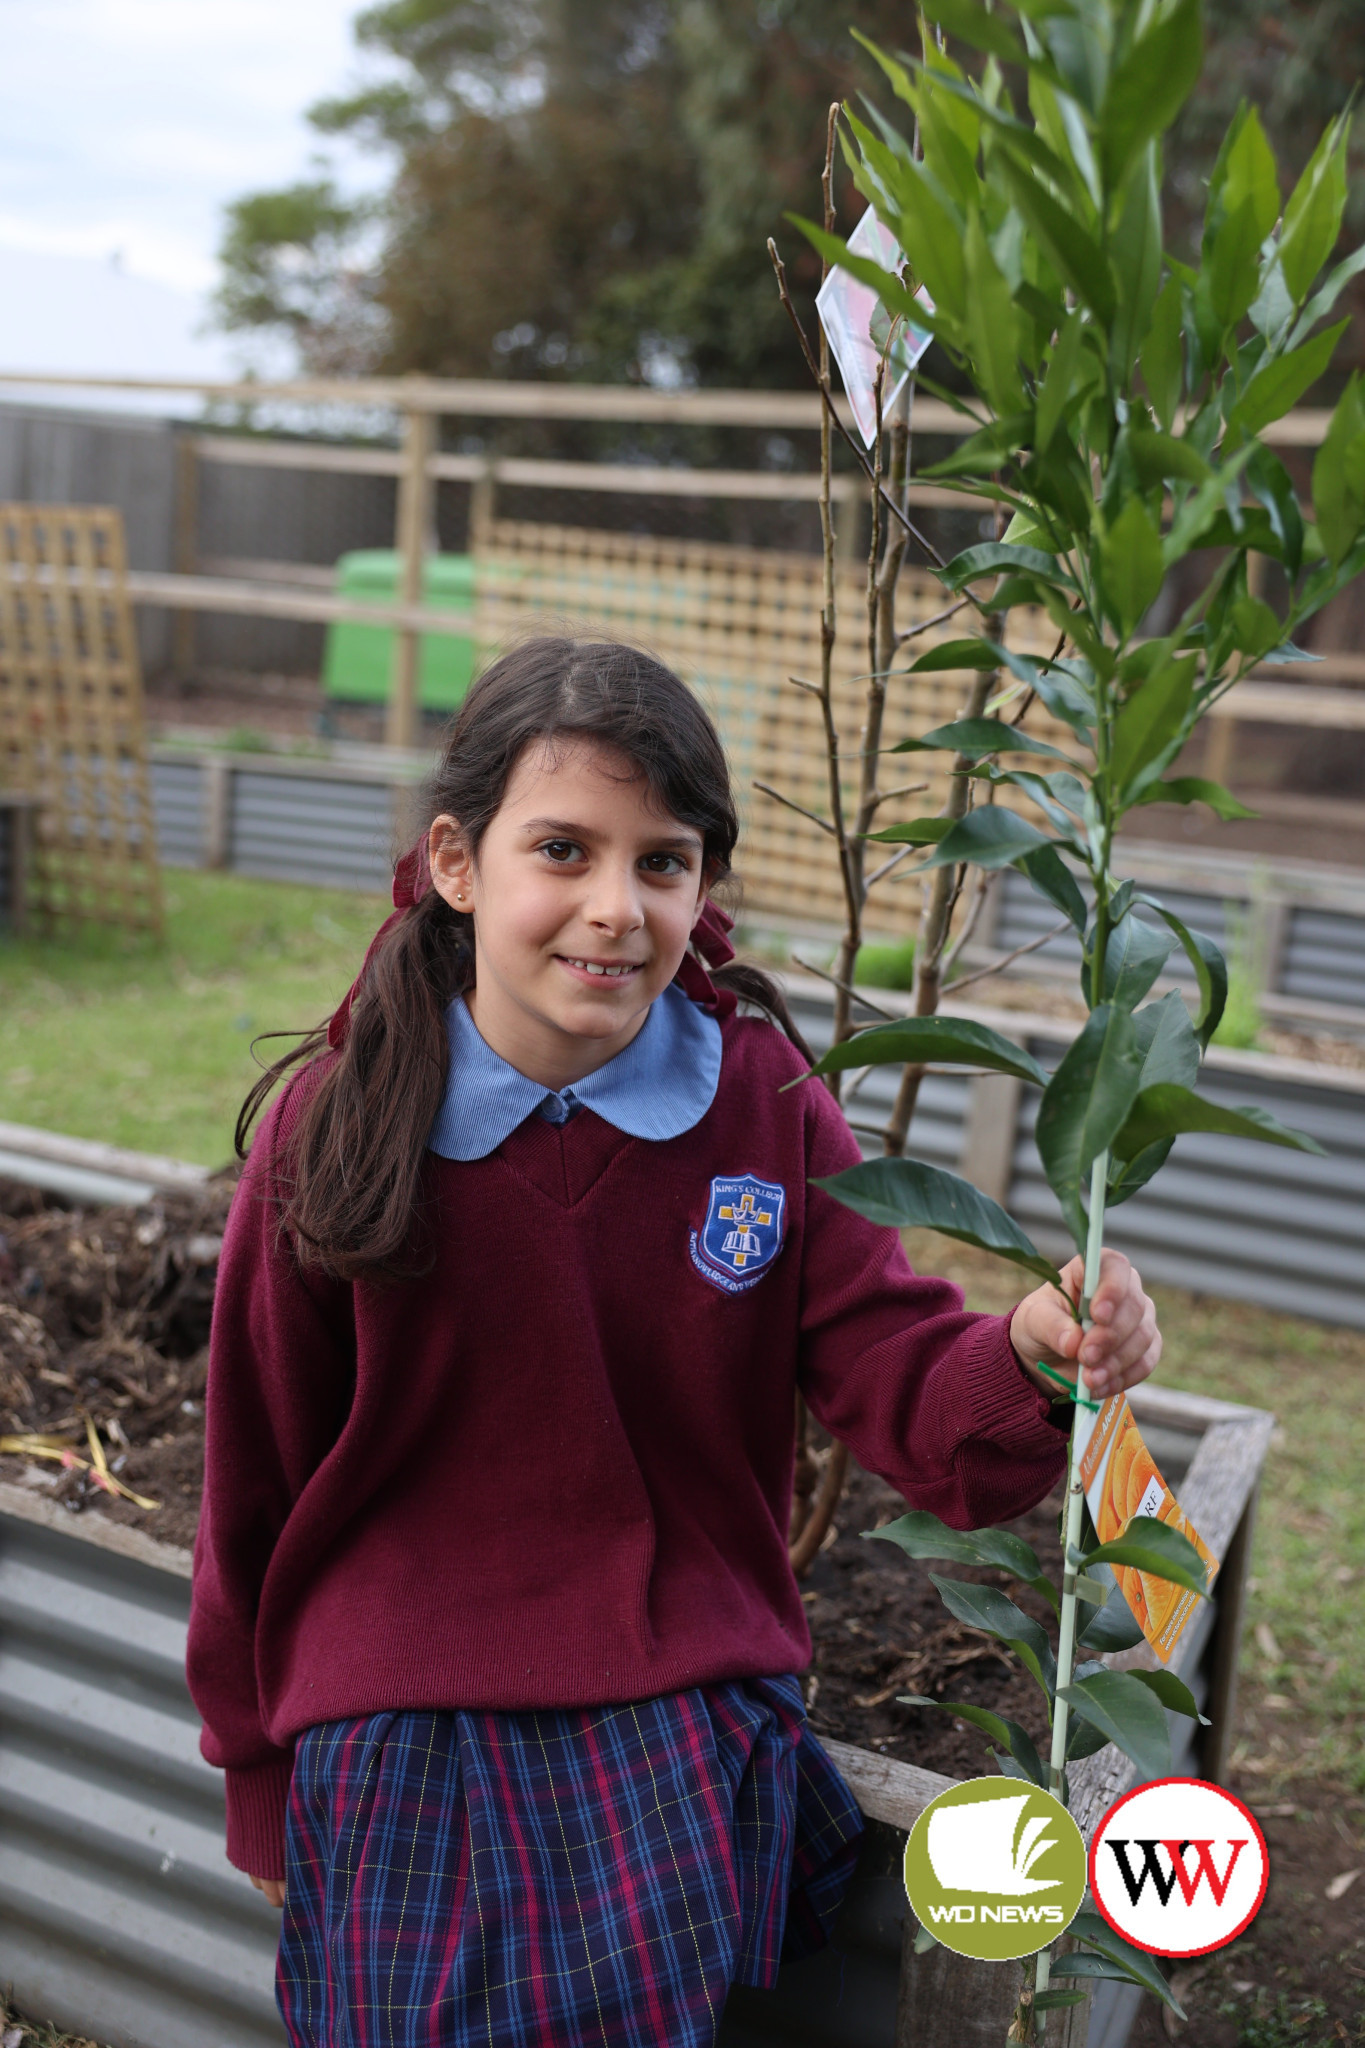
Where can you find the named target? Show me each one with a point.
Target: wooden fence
(418, 466)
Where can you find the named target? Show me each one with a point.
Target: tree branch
(800, 809)
(1007, 959)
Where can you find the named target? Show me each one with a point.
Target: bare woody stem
(940, 895)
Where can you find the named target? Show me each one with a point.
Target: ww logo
(1178, 1867)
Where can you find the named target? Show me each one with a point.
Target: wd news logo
(1178, 1867)
(994, 1869)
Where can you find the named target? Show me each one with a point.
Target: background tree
(579, 185)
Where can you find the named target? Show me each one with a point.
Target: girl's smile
(583, 895)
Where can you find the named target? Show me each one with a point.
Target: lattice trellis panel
(738, 623)
(72, 732)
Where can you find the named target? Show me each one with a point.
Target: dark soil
(104, 1314)
(879, 1628)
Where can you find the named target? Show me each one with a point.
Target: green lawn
(114, 1037)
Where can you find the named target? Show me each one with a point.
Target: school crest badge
(742, 1234)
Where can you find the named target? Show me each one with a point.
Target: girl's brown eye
(665, 863)
(559, 849)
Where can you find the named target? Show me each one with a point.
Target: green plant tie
(1071, 1388)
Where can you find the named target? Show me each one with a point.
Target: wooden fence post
(185, 548)
(412, 532)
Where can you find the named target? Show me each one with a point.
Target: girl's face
(583, 896)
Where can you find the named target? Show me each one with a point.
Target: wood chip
(1339, 1886)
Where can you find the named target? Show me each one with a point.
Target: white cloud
(128, 125)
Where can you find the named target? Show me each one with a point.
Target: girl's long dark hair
(350, 1170)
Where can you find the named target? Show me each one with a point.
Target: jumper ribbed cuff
(1003, 1406)
(256, 1802)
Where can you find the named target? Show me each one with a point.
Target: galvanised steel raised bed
(120, 1917)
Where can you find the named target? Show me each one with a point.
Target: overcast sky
(126, 125)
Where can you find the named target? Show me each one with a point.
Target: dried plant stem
(1005, 960)
(940, 894)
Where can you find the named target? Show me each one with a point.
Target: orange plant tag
(1121, 1480)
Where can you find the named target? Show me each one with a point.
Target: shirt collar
(658, 1087)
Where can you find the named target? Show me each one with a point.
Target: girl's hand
(273, 1889)
(1121, 1349)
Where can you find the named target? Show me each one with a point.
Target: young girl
(494, 1630)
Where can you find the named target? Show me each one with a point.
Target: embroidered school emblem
(742, 1234)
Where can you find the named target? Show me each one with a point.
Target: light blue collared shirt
(660, 1086)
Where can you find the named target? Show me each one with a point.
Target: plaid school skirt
(543, 1879)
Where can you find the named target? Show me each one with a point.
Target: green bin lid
(374, 571)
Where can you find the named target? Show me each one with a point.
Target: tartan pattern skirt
(544, 1879)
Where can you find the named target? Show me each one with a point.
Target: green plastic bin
(358, 663)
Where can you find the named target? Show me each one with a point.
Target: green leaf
(1008, 1734)
(920, 1534)
(1054, 2001)
(1156, 1548)
(1130, 553)
(1083, 1740)
(1232, 269)
(989, 838)
(1160, 459)
(1162, 355)
(1167, 1111)
(1133, 957)
(971, 23)
(992, 322)
(1312, 219)
(1283, 380)
(1127, 1714)
(988, 1609)
(1204, 508)
(1210, 969)
(1053, 879)
(982, 453)
(1273, 487)
(949, 654)
(917, 832)
(1173, 1693)
(909, 1195)
(997, 557)
(1085, 1104)
(928, 1041)
(1136, 259)
(1254, 627)
(1322, 302)
(1113, 1628)
(1057, 384)
(981, 736)
(1120, 1957)
(1147, 89)
(1339, 475)
(924, 1941)
(1074, 254)
(1167, 1042)
(1196, 789)
(1153, 716)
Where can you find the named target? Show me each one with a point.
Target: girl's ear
(451, 864)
